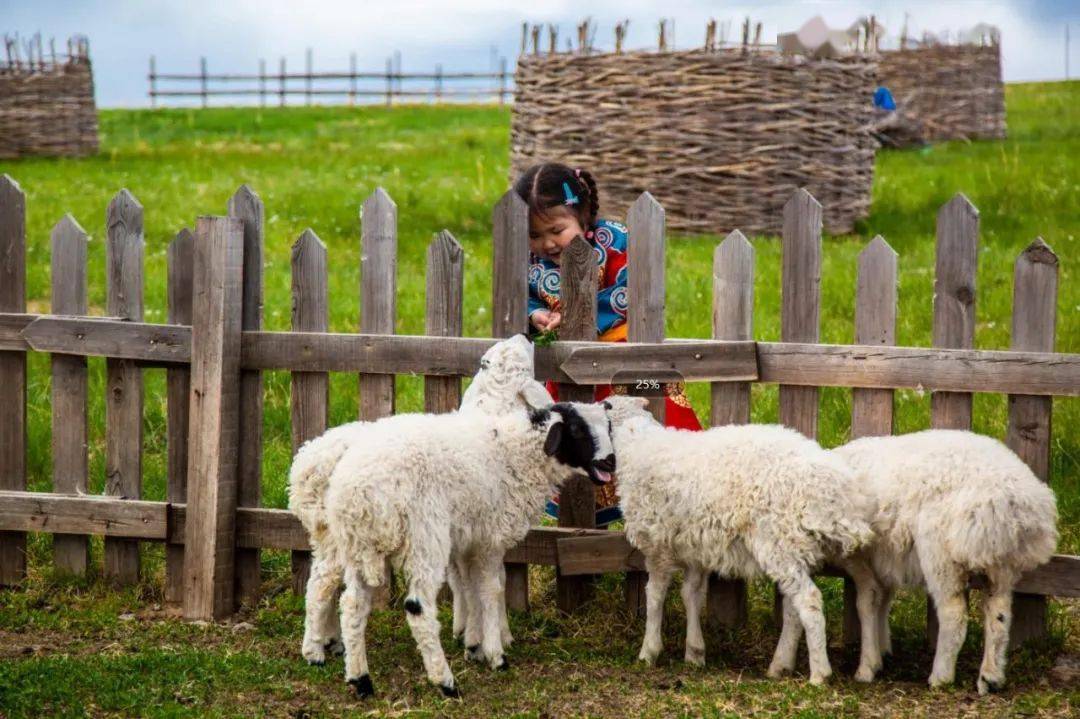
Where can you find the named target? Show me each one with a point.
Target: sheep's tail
(309, 477)
(1016, 529)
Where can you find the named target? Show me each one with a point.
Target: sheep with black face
(419, 489)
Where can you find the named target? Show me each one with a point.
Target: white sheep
(425, 490)
(952, 504)
(741, 501)
(504, 383)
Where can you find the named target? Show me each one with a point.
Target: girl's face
(550, 233)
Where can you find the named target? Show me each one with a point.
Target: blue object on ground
(884, 99)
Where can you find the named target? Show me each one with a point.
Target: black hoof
(335, 647)
(316, 662)
(505, 666)
(473, 653)
(363, 686)
(450, 692)
(991, 686)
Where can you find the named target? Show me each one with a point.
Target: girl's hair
(542, 188)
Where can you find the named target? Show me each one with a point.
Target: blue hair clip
(571, 198)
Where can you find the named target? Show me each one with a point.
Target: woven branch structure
(721, 139)
(954, 92)
(47, 108)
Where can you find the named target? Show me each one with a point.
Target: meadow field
(74, 648)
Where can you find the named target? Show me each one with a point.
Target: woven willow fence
(954, 92)
(47, 105)
(722, 139)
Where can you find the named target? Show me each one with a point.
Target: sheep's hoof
(647, 657)
(335, 646)
(474, 653)
(936, 682)
(316, 662)
(314, 653)
(865, 675)
(450, 691)
(503, 666)
(989, 686)
(695, 656)
(818, 679)
(778, 671)
(363, 686)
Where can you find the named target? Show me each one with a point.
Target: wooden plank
(1034, 320)
(378, 294)
(577, 498)
(138, 342)
(922, 368)
(871, 409)
(124, 386)
(214, 432)
(954, 300)
(12, 371)
(801, 301)
(443, 314)
(72, 516)
(71, 554)
(509, 315)
(954, 320)
(11, 326)
(310, 404)
(691, 361)
(178, 391)
(645, 320)
(509, 262)
(733, 319)
(598, 554)
(246, 206)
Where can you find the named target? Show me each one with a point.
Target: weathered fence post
(281, 83)
(646, 285)
(871, 409)
(509, 315)
(389, 82)
(202, 78)
(1033, 329)
(733, 319)
(153, 82)
(178, 391)
(800, 310)
(378, 306)
(443, 315)
(210, 540)
(352, 79)
(71, 553)
(502, 80)
(124, 401)
(577, 499)
(954, 320)
(12, 371)
(307, 77)
(262, 82)
(310, 390)
(246, 206)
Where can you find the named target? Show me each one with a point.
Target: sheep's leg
(946, 587)
(321, 628)
(457, 591)
(490, 590)
(884, 635)
(421, 609)
(660, 572)
(469, 576)
(997, 619)
(355, 607)
(806, 599)
(504, 618)
(787, 648)
(867, 596)
(693, 596)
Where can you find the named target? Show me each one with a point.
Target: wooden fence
(215, 350)
(352, 86)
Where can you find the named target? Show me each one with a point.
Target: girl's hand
(554, 321)
(545, 320)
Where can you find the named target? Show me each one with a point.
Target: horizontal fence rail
(215, 351)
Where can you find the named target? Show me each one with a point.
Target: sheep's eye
(607, 405)
(484, 364)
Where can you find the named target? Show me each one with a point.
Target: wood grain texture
(733, 319)
(246, 206)
(800, 310)
(124, 386)
(1034, 322)
(213, 433)
(178, 392)
(143, 343)
(443, 314)
(12, 371)
(378, 294)
(577, 498)
(310, 405)
(954, 300)
(509, 261)
(71, 554)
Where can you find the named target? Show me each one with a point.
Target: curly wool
(951, 504)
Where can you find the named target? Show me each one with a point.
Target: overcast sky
(464, 35)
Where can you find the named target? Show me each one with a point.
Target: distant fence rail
(350, 86)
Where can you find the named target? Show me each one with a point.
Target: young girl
(564, 203)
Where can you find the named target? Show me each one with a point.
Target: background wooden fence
(350, 85)
(214, 351)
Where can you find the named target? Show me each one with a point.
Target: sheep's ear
(554, 438)
(534, 395)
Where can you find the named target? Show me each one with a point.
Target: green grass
(445, 168)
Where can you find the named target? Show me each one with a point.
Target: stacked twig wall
(47, 107)
(722, 139)
(954, 92)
